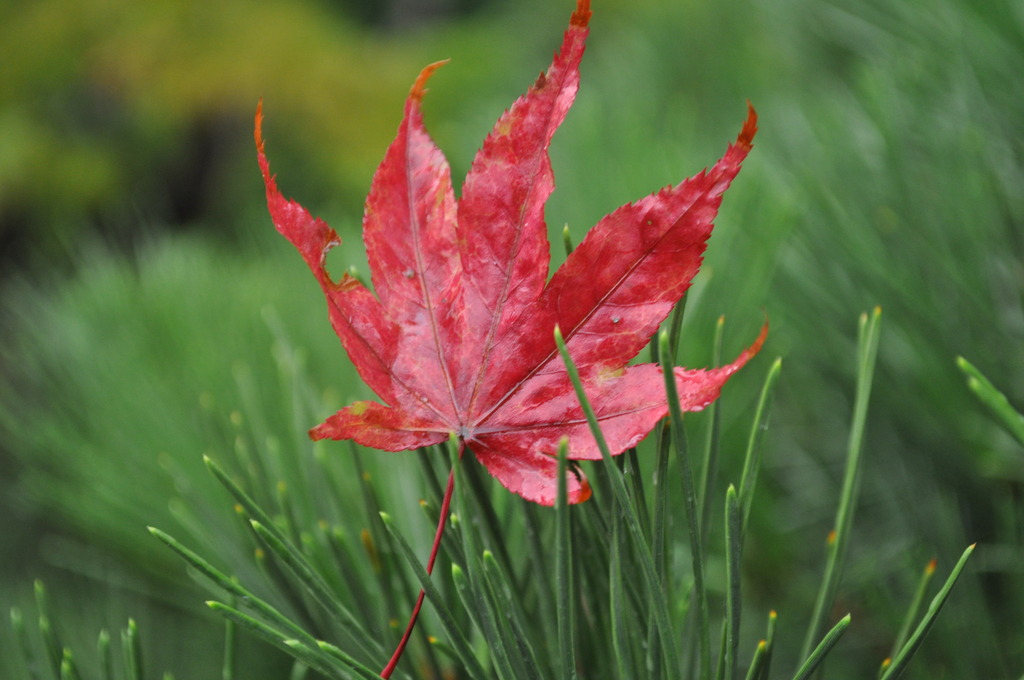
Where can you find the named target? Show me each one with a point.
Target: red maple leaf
(458, 333)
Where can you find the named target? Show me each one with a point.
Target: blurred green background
(149, 314)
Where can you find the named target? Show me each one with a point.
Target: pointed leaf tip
(746, 136)
(585, 491)
(581, 17)
(418, 90)
(752, 351)
(257, 130)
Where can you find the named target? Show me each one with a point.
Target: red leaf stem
(442, 522)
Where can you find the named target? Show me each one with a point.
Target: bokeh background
(148, 310)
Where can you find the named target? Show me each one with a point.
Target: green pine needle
(655, 593)
(900, 661)
(868, 331)
(817, 656)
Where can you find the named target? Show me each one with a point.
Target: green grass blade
(899, 663)
(475, 602)
(757, 662)
(468, 581)
(335, 652)
(430, 658)
(490, 620)
(822, 650)
(21, 635)
(452, 549)
(361, 588)
(234, 588)
(660, 524)
(620, 630)
(132, 651)
(995, 400)
(316, 586)
(377, 541)
(629, 463)
(722, 645)
(499, 594)
(306, 651)
(567, 241)
(733, 551)
(278, 542)
(274, 573)
(655, 593)
(52, 647)
(431, 478)
(660, 538)
(709, 468)
(299, 671)
(68, 670)
(467, 578)
(675, 334)
(913, 610)
(541, 579)
(752, 460)
(868, 332)
(444, 649)
(455, 635)
(106, 656)
(488, 521)
(563, 573)
(467, 522)
(692, 518)
(227, 671)
(769, 640)
(248, 504)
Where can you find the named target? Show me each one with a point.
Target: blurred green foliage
(888, 171)
(112, 111)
